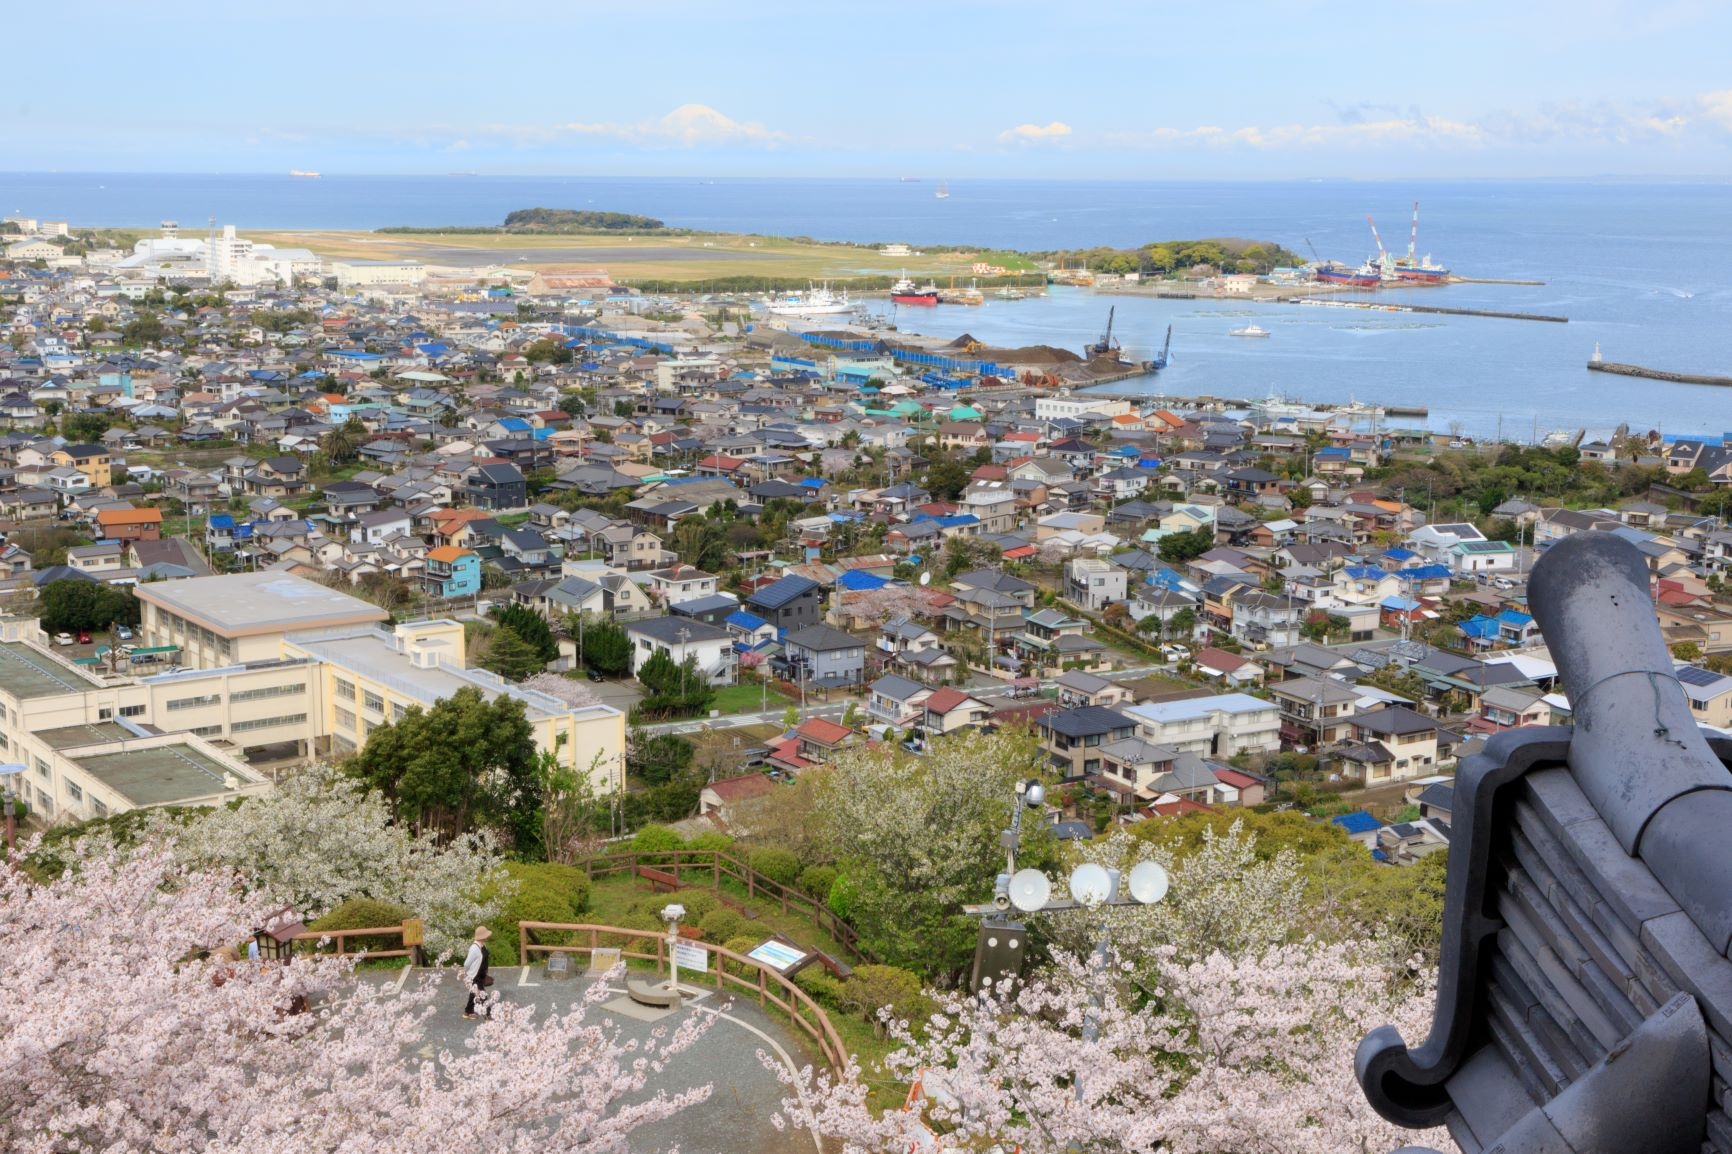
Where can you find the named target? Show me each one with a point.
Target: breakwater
(1624, 370)
(1441, 310)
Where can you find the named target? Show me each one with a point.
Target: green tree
(1178, 548)
(466, 762)
(143, 330)
(702, 542)
(547, 351)
(511, 656)
(531, 627)
(1398, 680)
(84, 428)
(1687, 651)
(660, 759)
(73, 604)
(947, 477)
(606, 648)
(343, 443)
(674, 690)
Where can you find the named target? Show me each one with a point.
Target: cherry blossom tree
(573, 694)
(870, 608)
(322, 838)
(119, 1034)
(1214, 1025)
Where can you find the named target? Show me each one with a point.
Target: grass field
(691, 258)
(731, 699)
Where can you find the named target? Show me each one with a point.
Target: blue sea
(1642, 269)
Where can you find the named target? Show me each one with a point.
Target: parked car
(595, 675)
(123, 633)
(63, 639)
(83, 637)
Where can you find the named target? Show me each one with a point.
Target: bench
(658, 879)
(645, 994)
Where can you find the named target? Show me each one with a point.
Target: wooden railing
(408, 950)
(806, 1014)
(689, 864)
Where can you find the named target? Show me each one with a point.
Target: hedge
(719, 925)
(654, 841)
(817, 880)
(544, 892)
(361, 914)
(779, 865)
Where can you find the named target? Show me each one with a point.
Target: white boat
(1251, 330)
(943, 192)
(304, 172)
(815, 302)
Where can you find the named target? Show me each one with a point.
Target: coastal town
(324, 495)
(521, 596)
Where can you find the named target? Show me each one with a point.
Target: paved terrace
(744, 1096)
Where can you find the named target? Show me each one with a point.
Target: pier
(1373, 306)
(1623, 370)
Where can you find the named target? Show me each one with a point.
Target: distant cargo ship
(303, 172)
(903, 292)
(1366, 275)
(1424, 271)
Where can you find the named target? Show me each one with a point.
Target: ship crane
(1374, 236)
(1106, 346)
(1413, 236)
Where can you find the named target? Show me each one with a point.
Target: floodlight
(1030, 890)
(1001, 891)
(1091, 885)
(1148, 882)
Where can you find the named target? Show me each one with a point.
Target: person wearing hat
(475, 968)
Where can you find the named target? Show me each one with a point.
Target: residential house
(1316, 712)
(130, 524)
(789, 603)
(711, 646)
(452, 572)
(897, 701)
(498, 487)
(1215, 726)
(1391, 744)
(824, 657)
(948, 710)
(1093, 583)
(1072, 738)
(1078, 688)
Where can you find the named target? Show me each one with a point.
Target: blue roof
(1331, 452)
(221, 521)
(779, 592)
(740, 619)
(1357, 822)
(1400, 554)
(1425, 572)
(811, 482)
(857, 579)
(1511, 617)
(1399, 604)
(1365, 572)
(514, 424)
(1482, 628)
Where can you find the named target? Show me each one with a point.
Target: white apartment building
(1218, 726)
(1051, 408)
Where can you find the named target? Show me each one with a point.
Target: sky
(1131, 89)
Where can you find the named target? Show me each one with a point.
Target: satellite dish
(1148, 882)
(1092, 885)
(1029, 890)
(926, 578)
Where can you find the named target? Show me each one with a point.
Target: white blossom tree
(1216, 1025)
(118, 1034)
(322, 838)
(574, 694)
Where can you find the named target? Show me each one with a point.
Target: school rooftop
(159, 775)
(239, 604)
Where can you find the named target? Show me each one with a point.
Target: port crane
(1106, 346)
(1380, 253)
(1413, 235)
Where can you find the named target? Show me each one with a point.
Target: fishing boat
(903, 292)
(1251, 330)
(304, 172)
(814, 302)
(943, 191)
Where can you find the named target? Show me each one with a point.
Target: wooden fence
(689, 866)
(806, 1014)
(410, 949)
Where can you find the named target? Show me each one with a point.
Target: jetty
(1602, 366)
(1377, 307)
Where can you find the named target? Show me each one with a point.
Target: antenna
(1092, 885)
(1030, 890)
(1148, 882)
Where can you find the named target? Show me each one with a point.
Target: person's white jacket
(472, 963)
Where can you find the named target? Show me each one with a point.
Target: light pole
(9, 798)
(673, 913)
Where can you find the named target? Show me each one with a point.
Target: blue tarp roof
(1365, 572)
(859, 579)
(1425, 572)
(1481, 628)
(1357, 822)
(1399, 604)
(1400, 554)
(1511, 617)
(740, 619)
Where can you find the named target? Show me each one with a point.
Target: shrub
(719, 925)
(741, 946)
(542, 892)
(711, 840)
(817, 880)
(872, 988)
(655, 841)
(361, 914)
(820, 986)
(779, 865)
(697, 903)
(841, 897)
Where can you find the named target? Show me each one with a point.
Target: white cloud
(1035, 133)
(1717, 107)
(687, 126)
